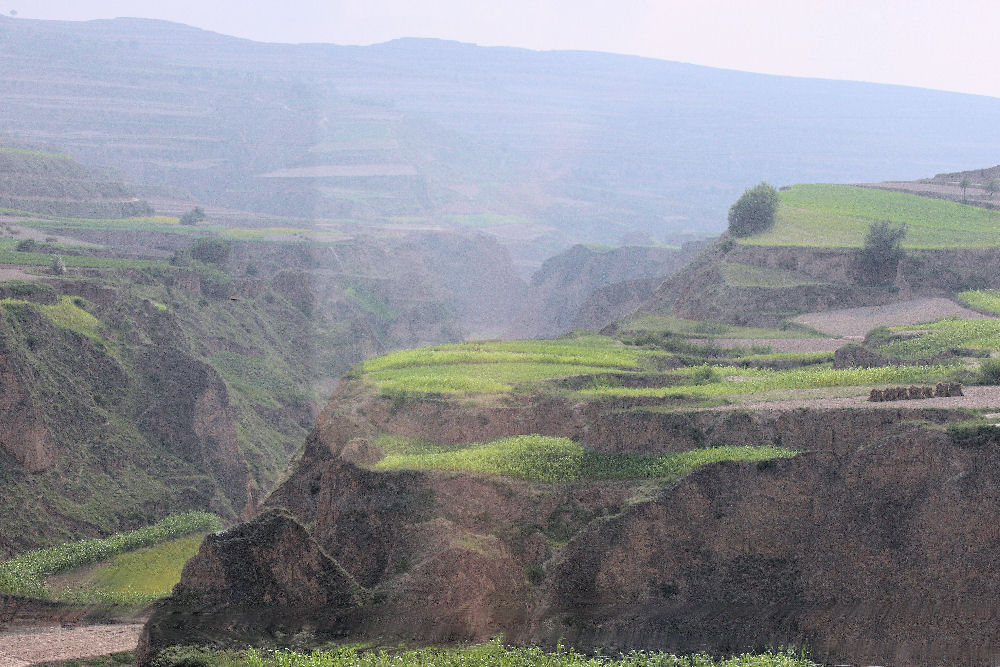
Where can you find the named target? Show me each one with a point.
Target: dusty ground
(9, 272)
(857, 397)
(782, 344)
(856, 322)
(27, 646)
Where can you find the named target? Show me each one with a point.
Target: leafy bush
(754, 211)
(192, 217)
(989, 371)
(877, 262)
(211, 250)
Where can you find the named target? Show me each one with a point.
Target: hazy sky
(926, 43)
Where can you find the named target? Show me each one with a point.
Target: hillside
(567, 291)
(602, 490)
(40, 182)
(548, 147)
(175, 367)
(805, 262)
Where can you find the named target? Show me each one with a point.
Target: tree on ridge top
(754, 211)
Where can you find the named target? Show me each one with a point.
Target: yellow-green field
(839, 216)
(550, 459)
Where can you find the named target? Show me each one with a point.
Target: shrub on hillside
(989, 371)
(877, 261)
(193, 217)
(211, 250)
(754, 211)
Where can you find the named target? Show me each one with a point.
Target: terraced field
(837, 216)
(130, 568)
(603, 367)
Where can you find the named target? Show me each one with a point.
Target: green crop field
(550, 459)
(660, 323)
(984, 300)
(495, 367)
(26, 574)
(727, 381)
(940, 336)
(490, 654)
(839, 216)
(137, 577)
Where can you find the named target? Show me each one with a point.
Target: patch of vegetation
(478, 220)
(751, 381)
(666, 323)
(210, 249)
(25, 574)
(922, 341)
(111, 660)
(137, 577)
(550, 459)
(490, 654)
(877, 262)
(492, 367)
(80, 261)
(839, 216)
(984, 300)
(746, 275)
(65, 313)
(753, 212)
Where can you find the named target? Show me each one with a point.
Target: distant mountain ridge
(567, 146)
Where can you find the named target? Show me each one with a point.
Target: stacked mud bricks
(940, 390)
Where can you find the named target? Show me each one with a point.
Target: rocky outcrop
(269, 572)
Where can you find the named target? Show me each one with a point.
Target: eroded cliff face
(823, 279)
(875, 544)
(884, 555)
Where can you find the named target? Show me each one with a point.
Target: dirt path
(975, 397)
(783, 344)
(856, 322)
(10, 272)
(28, 646)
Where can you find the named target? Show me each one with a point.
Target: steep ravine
(875, 545)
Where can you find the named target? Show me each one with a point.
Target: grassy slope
(839, 216)
(549, 459)
(139, 562)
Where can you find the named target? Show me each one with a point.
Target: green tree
(57, 266)
(210, 249)
(754, 211)
(964, 184)
(193, 217)
(877, 261)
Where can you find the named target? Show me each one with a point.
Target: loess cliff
(875, 543)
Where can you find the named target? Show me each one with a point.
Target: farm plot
(839, 216)
(856, 322)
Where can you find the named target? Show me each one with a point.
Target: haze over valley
(426, 352)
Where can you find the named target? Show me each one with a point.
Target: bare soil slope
(856, 322)
(873, 546)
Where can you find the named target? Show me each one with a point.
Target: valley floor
(50, 643)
